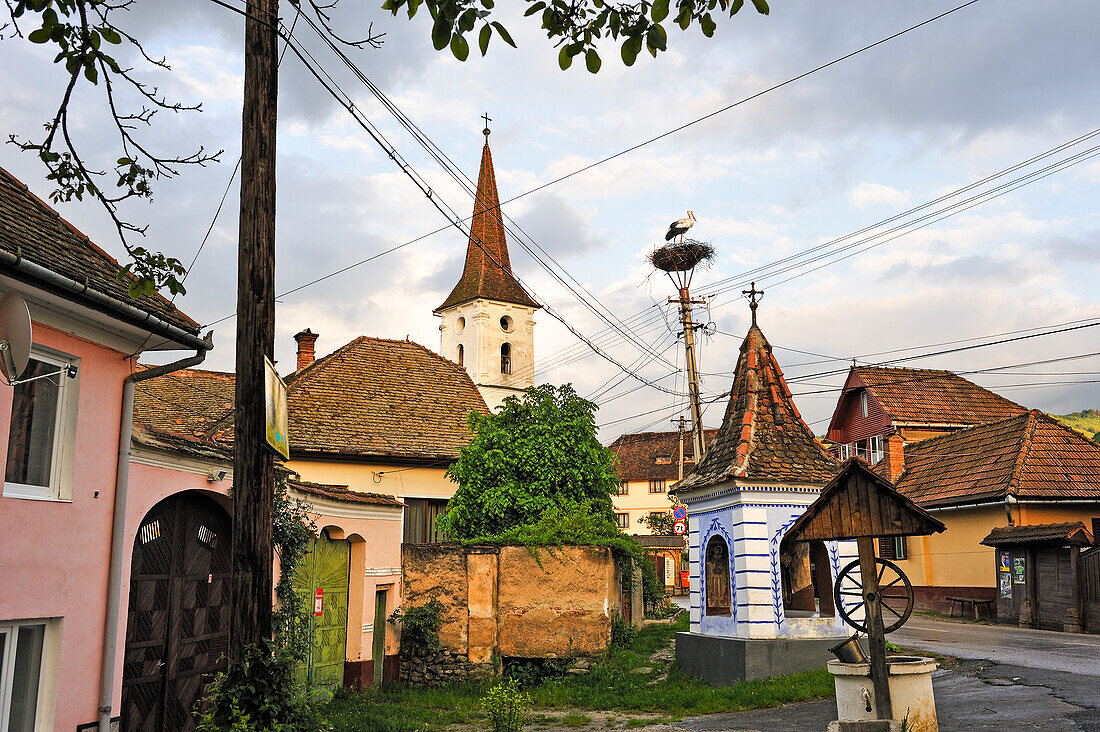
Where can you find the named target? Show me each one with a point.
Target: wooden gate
(321, 580)
(177, 626)
(1056, 596)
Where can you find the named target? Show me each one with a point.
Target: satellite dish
(15, 335)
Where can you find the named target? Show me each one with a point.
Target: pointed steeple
(762, 436)
(488, 272)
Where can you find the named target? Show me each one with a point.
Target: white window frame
(64, 437)
(875, 452)
(7, 670)
(619, 519)
(900, 553)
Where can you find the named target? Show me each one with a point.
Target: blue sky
(971, 94)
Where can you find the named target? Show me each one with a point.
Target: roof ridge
(968, 430)
(1026, 439)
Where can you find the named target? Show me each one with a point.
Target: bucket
(850, 651)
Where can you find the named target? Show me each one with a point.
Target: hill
(1087, 422)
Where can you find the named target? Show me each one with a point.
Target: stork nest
(681, 257)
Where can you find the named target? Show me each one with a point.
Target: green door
(378, 648)
(321, 580)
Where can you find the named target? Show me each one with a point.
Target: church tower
(489, 319)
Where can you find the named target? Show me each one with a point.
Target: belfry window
(506, 359)
(461, 354)
(716, 572)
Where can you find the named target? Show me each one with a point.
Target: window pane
(33, 417)
(24, 688)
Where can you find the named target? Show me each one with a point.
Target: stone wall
(507, 601)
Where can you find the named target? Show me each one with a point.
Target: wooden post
(253, 469)
(876, 636)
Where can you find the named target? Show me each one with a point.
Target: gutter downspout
(118, 525)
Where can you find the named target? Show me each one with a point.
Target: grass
(613, 685)
(575, 720)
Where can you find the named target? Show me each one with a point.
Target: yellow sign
(275, 393)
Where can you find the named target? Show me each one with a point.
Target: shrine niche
(718, 577)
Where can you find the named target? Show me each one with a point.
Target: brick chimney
(895, 454)
(306, 354)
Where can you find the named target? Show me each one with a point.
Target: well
(910, 680)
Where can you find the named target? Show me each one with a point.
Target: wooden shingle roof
(762, 436)
(487, 272)
(638, 453)
(1065, 534)
(381, 398)
(343, 493)
(32, 230)
(1029, 456)
(933, 396)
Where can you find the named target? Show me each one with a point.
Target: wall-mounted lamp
(216, 475)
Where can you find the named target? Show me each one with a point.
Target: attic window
(863, 403)
(664, 460)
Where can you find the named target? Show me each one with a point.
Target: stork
(679, 227)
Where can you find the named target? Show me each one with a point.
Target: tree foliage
(659, 523)
(535, 454)
(575, 26)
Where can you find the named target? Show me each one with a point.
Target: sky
(840, 151)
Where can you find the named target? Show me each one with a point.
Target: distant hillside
(1087, 422)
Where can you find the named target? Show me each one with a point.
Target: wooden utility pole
(685, 302)
(680, 428)
(253, 468)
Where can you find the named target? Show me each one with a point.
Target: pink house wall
(54, 554)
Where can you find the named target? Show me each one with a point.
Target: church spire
(488, 271)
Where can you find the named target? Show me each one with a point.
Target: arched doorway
(321, 580)
(177, 625)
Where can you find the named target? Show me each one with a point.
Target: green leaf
(42, 35)
(534, 8)
(707, 24)
(90, 73)
(737, 5)
(459, 47)
(630, 50)
(441, 33)
(565, 59)
(110, 35)
(761, 6)
(592, 60)
(659, 11)
(483, 38)
(503, 32)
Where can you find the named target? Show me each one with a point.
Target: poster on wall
(1002, 562)
(275, 411)
(1006, 584)
(1018, 571)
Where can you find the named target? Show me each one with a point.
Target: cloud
(866, 195)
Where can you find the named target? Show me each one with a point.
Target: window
(717, 577)
(863, 403)
(874, 449)
(20, 671)
(505, 359)
(623, 520)
(663, 460)
(506, 324)
(893, 547)
(845, 451)
(623, 489)
(460, 325)
(657, 486)
(42, 431)
(420, 520)
(461, 354)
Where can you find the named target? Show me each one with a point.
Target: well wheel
(895, 590)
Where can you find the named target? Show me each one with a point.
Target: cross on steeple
(755, 296)
(485, 132)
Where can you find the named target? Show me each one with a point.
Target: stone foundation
(432, 668)
(721, 661)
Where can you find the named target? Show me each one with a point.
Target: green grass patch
(575, 720)
(613, 685)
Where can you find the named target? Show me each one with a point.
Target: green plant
(292, 531)
(663, 609)
(420, 624)
(575, 720)
(506, 707)
(534, 671)
(622, 632)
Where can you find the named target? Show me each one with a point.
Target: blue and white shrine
(759, 606)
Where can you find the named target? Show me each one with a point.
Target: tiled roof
(488, 271)
(762, 436)
(637, 454)
(191, 405)
(656, 541)
(933, 396)
(1028, 456)
(343, 493)
(1068, 533)
(378, 397)
(32, 230)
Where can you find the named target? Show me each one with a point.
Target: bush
(420, 624)
(506, 707)
(622, 632)
(534, 671)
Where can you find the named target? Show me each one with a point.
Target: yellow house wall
(639, 502)
(389, 480)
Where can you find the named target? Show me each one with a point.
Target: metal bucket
(850, 651)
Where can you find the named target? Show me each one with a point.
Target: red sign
(318, 601)
(680, 528)
(684, 578)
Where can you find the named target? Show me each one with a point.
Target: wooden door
(378, 648)
(321, 580)
(177, 626)
(1055, 586)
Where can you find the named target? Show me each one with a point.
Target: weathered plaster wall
(390, 480)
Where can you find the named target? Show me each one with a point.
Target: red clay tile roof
(1073, 533)
(343, 493)
(31, 229)
(1028, 456)
(933, 396)
(192, 405)
(637, 454)
(378, 397)
(762, 436)
(488, 271)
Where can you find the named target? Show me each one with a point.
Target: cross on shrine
(755, 296)
(487, 119)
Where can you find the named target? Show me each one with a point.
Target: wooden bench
(972, 603)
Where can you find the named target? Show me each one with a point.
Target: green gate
(321, 581)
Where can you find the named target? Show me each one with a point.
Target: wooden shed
(1040, 579)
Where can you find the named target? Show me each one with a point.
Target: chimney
(895, 455)
(306, 354)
